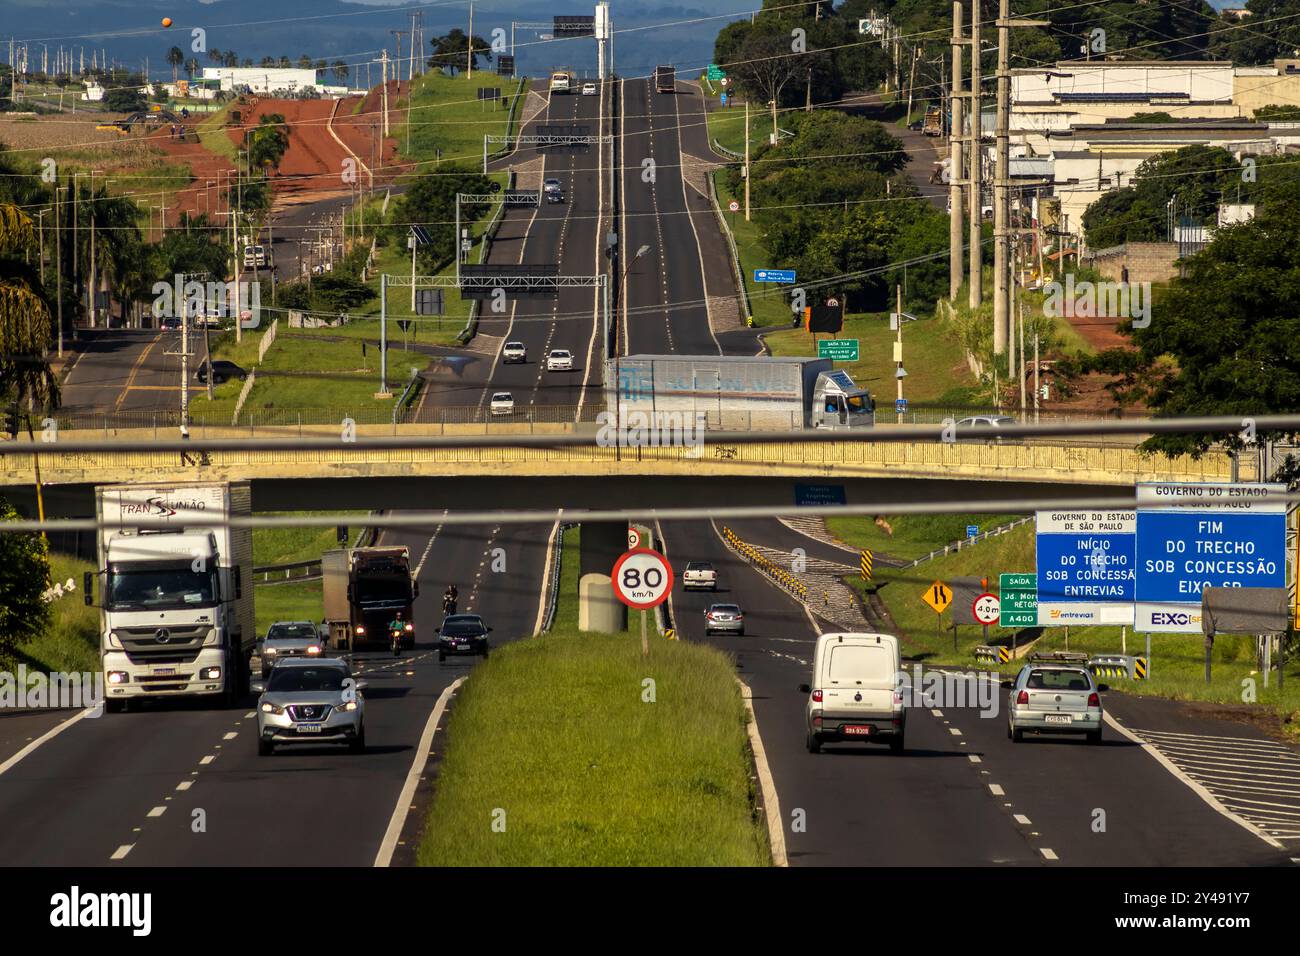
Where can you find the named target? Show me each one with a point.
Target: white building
(261, 79)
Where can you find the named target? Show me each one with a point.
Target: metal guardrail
(730, 154)
(285, 572)
(784, 579)
(969, 542)
(737, 273)
(553, 594)
(484, 248)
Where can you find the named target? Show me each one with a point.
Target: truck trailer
(363, 589)
(736, 393)
(176, 596)
(665, 79)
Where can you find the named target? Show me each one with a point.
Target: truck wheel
(114, 706)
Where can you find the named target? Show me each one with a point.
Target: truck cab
(838, 403)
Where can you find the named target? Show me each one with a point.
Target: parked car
(854, 695)
(286, 640)
(503, 403)
(984, 421)
(588, 89)
(514, 352)
(559, 360)
(462, 634)
(1054, 699)
(700, 575)
(221, 372)
(724, 619)
(310, 702)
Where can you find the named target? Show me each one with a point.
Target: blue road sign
(808, 495)
(1085, 564)
(1206, 535)
(774, 275)
(972, 531)
(900, 405)
(724, 97)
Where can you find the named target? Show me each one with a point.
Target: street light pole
(622, 285)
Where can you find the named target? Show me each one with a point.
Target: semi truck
(736, 392)
(363, 589)
(175, 591)
(665, 79)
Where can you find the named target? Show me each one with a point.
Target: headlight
(118, 677)
(349, 705)
(314, 649)
(270, 708)
(210, 673)
(361, 629)
(410, 626)
(270, 652)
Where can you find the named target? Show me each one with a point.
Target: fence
(243, 396)
(969, 542)
(268, 339)
(553, 592)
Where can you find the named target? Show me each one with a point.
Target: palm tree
(175, 57)
(267, 61)
(248, 61)
(191, 67)
(284, 62)
(25, 321)
(231, 58)
(341, 70)
(216, 57)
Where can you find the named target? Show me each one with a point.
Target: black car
(170, 324)
(462, 634)
(221, 371)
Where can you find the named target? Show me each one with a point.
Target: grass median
(556, 758)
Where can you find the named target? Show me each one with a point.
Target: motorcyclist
(449, 598)
(397, 630)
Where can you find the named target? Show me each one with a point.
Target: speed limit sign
(642, 578)
(633, 538)
(986, 608)
(733, 206)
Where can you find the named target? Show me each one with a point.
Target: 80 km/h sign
(642, 578)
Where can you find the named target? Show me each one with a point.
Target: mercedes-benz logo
(162, 635)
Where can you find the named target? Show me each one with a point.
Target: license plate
(164, 671)
(857, 731)
(309, 728)
(1058, 718)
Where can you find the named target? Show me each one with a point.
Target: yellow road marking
(135, 370)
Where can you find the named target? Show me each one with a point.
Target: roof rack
(1058, 657)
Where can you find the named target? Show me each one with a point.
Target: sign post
(642, 579)
(938, 595)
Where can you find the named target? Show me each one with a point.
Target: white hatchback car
(588, 89)
(503, 403)
(1055, 699)
(855, 694)
(559, 360)
(514, 352)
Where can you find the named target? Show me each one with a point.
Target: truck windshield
(136, 589)
(859, 404)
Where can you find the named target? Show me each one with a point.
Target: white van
(560, 82)
(855, 694)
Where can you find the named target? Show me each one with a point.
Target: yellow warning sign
(938, 595)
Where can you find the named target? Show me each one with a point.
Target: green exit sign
(1019, 597)
(838, 350)
(715, 72)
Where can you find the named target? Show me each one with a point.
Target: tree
(25, 320)
(231, 58)
(284, 62)
(124, 99)
(175, 58)
(304, 62)
(341, 71)
(451, 50)
(24, 575)
(764, 66)
(216, 56)
(267, 142)
(191, 67)
(431, 201)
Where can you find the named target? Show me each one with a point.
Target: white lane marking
(157, 811)
(1048, 853)
(207, 760)
(973, 758)
(251, 713)
(46, 738)
(767, 784)
(404, 799)
(184, 784)
(1197, 788)
(996, 790)
(121, 852)
(1021, 819)
(936, 712)
(231, 735)
(954, 731)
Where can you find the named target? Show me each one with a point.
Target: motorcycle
(448, 606)
(396, 635)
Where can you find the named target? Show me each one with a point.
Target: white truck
(736, 393)
(176, 601)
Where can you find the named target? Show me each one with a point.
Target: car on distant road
(854, 696)
(310, 702)
(514, 353)
(554, 190)
(221, 372)
(1054, 699)
(462, 634)
(170, 324)
(915, 125)
(984, 421)
(588, 89)
(724, 618)
(503, 403)
(700, 575)
(286, 640)
(559, 360)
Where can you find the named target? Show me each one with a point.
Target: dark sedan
(462, 634)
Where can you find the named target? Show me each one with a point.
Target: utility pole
(469, 44)
(58, 259)
(898, 354)
(385, 66)
(91, 264)
(976, 162)
(747, 160)
(956, 133)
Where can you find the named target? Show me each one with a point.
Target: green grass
(214, 138)
(596, 776)
(299, 601)
(1177, 660)
(71, 643)
(770, 305)
(912, 535)
(287, 545)
(566, 605)
(937, 372)
(446, 117)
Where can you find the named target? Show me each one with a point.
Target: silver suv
(311, 702)
(1054, 699)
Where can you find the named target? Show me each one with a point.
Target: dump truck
(176, 591)
(363, 589)
(779, 393)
